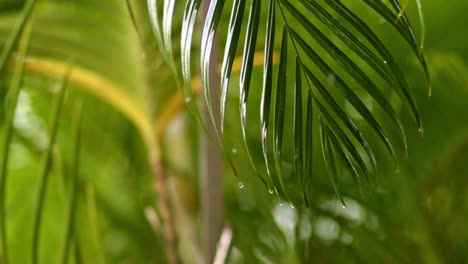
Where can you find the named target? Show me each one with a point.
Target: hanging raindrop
(421, 131)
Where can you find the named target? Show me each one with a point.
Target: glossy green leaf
(298, 130)
(154, 18)
(353, 70)
(232, 41)
(280, 109)
(246, 74)
(309, 146)
(403, 26)
(347, 122)
(267, 86)
(207, 41)
(339, 30)
(330, 161)
(374, 40)
(380, 65)
(168, 14)
(346, 159)
(345, 140)
(352, 98)
(352, 32)
(188, 26)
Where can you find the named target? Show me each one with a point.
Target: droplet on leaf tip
(421, 131)
(241, 185)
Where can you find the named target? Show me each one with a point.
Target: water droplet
(344, 206)
(280, 203)
(421, 131)
(241, 185)
(188, 99)
(234, 150)
(385, 61)
(270, 191)
(291, 205)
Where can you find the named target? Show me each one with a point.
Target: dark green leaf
(232, 41)
(353, 70)
(246, 74)
(267, 85)
(401, 23)
(298, 133)
(367, 33)
(348, 93)
(347, 122)
(279, 109)
(330, 160)
(309, 146)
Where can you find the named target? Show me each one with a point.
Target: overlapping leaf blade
(267, 87)
(232, 42)
(279, 110)
(376, 43)
(348, 92)
(188, 26)
(298, 131)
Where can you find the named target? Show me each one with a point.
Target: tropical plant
(292, 91)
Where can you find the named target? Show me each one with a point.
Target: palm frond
(359, 61)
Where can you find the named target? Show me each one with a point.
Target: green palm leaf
(359, 61)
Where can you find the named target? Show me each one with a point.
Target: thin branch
(164, 206)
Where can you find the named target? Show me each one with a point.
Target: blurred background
(418, 215)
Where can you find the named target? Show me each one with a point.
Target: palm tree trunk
(211, 169)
